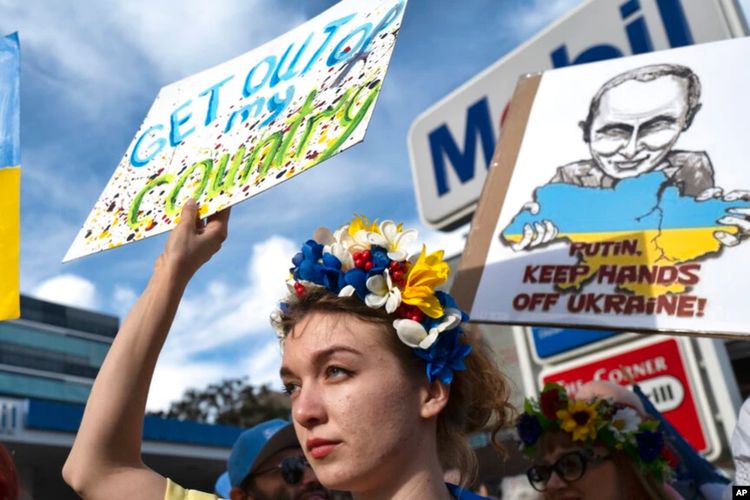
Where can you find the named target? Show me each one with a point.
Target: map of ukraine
(642, 236)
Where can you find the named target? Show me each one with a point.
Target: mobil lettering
(636, 28)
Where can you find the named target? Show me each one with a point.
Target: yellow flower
(580, 419)
(361, 223)
(427, 273)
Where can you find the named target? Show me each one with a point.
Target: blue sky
(90, 71)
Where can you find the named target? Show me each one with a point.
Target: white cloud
(123, 299)
(264, 365)
(542, 12)
(199, 34)
(172, 379)
(217, 318)
(452, 242)
(68, 289)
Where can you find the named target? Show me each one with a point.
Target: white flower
(393, 240)
(347, 291)
(337, 244)
(359, 242)
(383, 293)
(413, 334)
(324, 236)
(345, 241)
(624, 421)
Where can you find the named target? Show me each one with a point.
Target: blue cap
(256, 445)
(223, 486)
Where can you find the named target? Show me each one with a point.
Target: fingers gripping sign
(740, 219)
(710, 193)
(737, 217)
(194, 241)
(537, 233)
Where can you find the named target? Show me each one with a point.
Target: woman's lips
(321, 448)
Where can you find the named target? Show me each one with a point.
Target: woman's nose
(308, 409)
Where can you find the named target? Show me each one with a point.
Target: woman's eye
(336, 372)
(290, 388)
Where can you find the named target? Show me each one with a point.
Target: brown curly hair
(478, 395)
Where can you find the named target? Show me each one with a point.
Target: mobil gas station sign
(664, 368)
(451, 144)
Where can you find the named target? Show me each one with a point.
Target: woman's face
(600, 481)
(355, 408)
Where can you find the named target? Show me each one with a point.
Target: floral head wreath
(369, 261)
(596, 421)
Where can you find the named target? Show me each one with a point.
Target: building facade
(49, 359)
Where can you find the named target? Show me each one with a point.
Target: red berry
(299, 288)
(366, 255)
(393, 265)
(398, 275)
(368, 265)
(357, 256)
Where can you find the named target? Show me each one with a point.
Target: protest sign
(232, 131)
(619, 198)
(10, 176)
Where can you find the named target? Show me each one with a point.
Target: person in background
(266, 462)
(594, 446)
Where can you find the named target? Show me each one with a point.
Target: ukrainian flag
(10, 177)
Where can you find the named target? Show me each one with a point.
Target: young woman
(384, 383)
(600, 445)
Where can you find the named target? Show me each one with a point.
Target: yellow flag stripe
(10, 242)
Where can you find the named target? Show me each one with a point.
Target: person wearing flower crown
(599, 445)
(384, 383)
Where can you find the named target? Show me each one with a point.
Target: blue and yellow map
(639, 235)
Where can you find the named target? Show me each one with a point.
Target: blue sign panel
(551, 341)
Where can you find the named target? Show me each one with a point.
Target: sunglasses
(292, 469)
(569, 467)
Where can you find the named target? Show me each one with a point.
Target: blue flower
(649, 445)
(529, 429)
(333, 277)
(380, 260)
(358, 279)
(306, 266)
(311, 264)
(444, 356)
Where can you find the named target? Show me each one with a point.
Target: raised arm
(105, 462)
